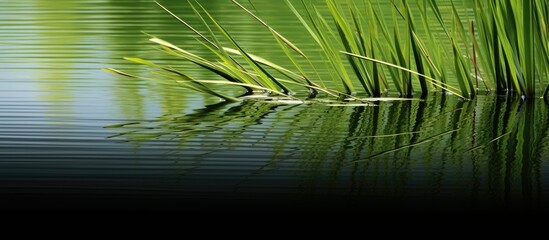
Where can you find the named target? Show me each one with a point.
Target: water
(73, 136)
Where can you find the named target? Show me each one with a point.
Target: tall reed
(513, 42)
(505, 47)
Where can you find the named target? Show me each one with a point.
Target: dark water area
(75, 138)
(441, 154)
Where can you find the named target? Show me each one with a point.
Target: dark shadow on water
(436, 155)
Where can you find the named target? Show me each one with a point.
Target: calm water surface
(72, 136)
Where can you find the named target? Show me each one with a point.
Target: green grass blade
(269, 80)
(186, 24)
(461, 71)
(112, 70)
(507, 41)
(416, 49)
(290, 74)
(246, 85)
(188, 83)
(432, 138)
(347, 37)
(527, 43)
(173, 50)
(278, 35)
(438, 83)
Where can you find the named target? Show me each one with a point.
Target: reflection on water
(70, 132)
(489, 152)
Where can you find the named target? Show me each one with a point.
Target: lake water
(75, 137)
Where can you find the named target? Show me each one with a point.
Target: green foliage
(505, 45)
(513, 43)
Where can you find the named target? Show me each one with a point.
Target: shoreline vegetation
(504, 48)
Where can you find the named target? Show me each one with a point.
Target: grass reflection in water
(487, 151)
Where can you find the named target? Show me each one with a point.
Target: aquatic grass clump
(369, 52)
(513, 42)
(234, 64)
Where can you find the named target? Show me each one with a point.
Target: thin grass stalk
(435, 56)
(284, 44)
(542, 20)
(498, 57)
(287, 44)
(265, 76)
(215, 68)
(366, 40)
(464, 58)
(402, 50)
(321, 32)
(475, 63)
(216, 48)
(233, 67)
(460, 71)
(187, 82)
(312, 91)
(186, 24)
(529, 45)
(311, 33)
(380, 37)
(484, 45)
(332, 44)
(416, 49)
(346, 36)
(278, 35)
(359, 36)
(507, 42)
(438, 83)
(385, 43)
(542, 65)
